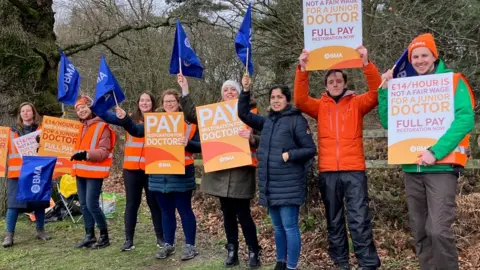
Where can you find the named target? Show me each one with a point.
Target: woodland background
(136, 37)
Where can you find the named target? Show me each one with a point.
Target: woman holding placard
(28, 121)
(92, 161)
(430, 185)
(134, 177)
(234, 187)
(172, 191)
(285, 149)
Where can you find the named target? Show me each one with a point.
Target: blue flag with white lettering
(184, 54)
(403, 67)
(243, 40)
(68, 81)
(35, 180)
(107, 91)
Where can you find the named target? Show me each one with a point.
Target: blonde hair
(36, 115)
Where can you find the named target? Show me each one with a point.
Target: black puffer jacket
(280, 183)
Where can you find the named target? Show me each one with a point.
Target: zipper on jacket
(338, 143)
(343, 122)
(330, 117)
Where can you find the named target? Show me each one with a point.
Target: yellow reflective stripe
(14, 168)
(91, 168)
(134, 158)
(93, 143)
(14, 156)
(461, 149)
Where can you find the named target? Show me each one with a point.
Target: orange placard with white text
(164, 153)
(222, 147)
(59, 138)
(4, 137)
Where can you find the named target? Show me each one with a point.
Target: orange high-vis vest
(90, 141)
(134, 154)
(253, 150)
(189, 133)
(459, 155)
(14, 158)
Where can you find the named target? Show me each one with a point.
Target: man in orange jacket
(341, 163)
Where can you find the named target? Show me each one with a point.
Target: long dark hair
(137, 114)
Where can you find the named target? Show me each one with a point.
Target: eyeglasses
(170, 101)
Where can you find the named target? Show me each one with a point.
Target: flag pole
(63, 110)
(246, 63)
(180, 65)
(385, 78)
(115, 97)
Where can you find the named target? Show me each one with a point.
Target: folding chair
(70, 188)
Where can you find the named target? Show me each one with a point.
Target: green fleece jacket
(463, 123)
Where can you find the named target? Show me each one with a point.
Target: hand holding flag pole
(402, 68)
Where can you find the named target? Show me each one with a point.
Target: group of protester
(281, 144)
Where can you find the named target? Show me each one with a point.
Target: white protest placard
(420, 110)
(27, 144)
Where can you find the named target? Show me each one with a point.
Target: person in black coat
(286, 145)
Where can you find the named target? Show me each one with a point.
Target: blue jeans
(12, 216)
(88, 191)
(287, 233)
(182, 201)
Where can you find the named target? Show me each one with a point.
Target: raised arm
(301, 98)
(383, 98)
(188, 107)
(303, 138)
(254, 121)
(111, 118)
(134, 129)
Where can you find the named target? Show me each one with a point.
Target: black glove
(79, 156)
(37, 138)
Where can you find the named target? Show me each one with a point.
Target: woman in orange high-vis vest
(172, 191)
(134, 177)
(28, 120)
(234, 187)
(92, 161)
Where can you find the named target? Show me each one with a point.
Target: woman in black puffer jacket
(286, 145)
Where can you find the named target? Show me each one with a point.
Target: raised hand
(246, 82)
(120, 112)
(303, 59)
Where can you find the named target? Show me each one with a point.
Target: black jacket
(280, 183)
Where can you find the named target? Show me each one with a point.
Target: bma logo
(403, 72)
(107, 97)
(36, 180)
(186, 63)
(187, 43)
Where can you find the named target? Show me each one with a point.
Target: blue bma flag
(35, 180)
(68, 81)
(108, 92)
(243, 40)
(184, 60)
(403, 67)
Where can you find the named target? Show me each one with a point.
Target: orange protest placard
(4, 136)
(164, 153)
(59, 138)
(222, 147)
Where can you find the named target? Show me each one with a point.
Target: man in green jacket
(430, 187)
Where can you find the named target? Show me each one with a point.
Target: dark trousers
(135, 181)
(88, 191)
(182, 201)
(239, 209)
(431, 211)
(351, 186)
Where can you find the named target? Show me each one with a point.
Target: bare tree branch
(75, 48)
(115, 53)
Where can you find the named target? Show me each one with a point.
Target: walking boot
(89, 239)
(8, 241)
(232, 255)
(254, 257)
(280, 266)
(42, 235)
(103, 240)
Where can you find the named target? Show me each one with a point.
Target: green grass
(58, 253)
